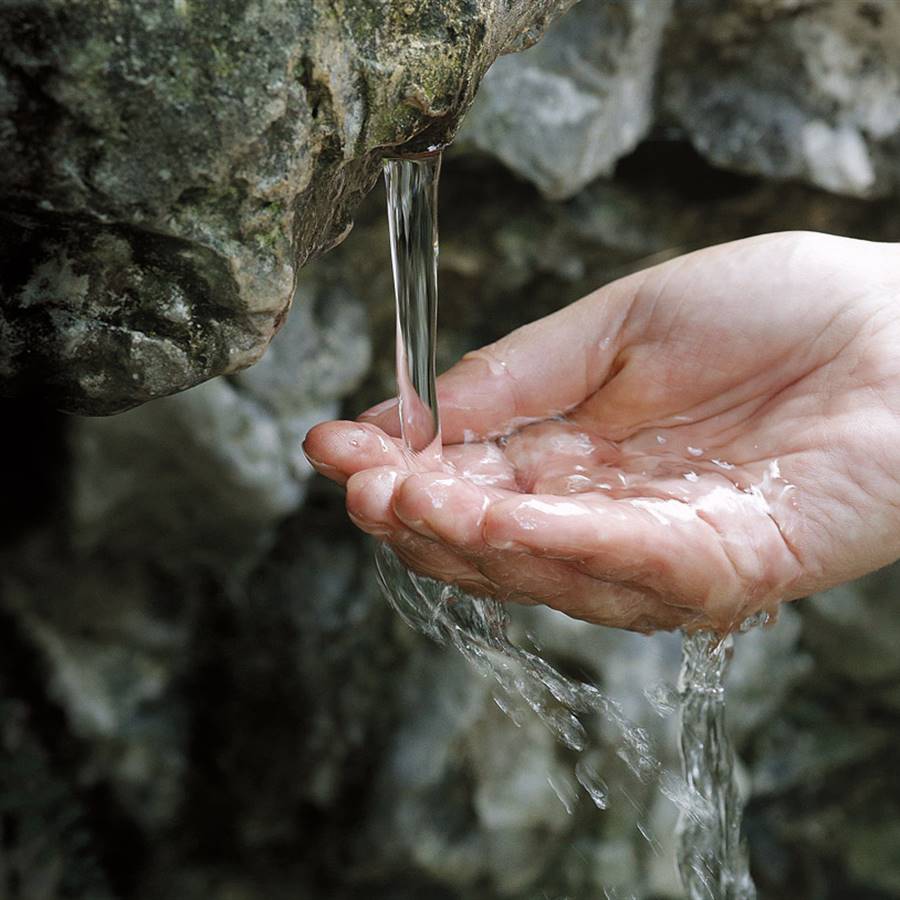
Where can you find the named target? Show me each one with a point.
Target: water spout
(412, 185)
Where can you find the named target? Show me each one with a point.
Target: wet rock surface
(167, 169)
(202, 695)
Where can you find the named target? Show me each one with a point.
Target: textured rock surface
(788, 89)
(167, 169)
(202, 696)
(566, 111)
(227, 452)
(791, 89)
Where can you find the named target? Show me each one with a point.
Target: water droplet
(509, 709)
(650, 838)
(566, 792)
(663, 697)
(590, 780)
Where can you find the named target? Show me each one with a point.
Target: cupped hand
(684, 447)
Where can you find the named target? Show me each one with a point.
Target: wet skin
(683, 447)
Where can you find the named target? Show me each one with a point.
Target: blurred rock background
(202, 694)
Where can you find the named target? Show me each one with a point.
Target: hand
(682, 448)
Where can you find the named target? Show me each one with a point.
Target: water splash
(523, 681)
(589, 778)
(712, 862)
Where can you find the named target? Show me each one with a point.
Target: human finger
(543, 368)
(521, 577)
(660, 544)
(438, 561)
(339, 450)
(369, 501)
(445, 507)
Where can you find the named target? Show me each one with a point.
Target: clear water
(712, 857)
(412, 186)
(711, 860)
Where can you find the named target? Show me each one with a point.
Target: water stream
(412, 186)
(712, 861)
(712, 857)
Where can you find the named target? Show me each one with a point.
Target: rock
(872, 852)
(138, 476)
(115, 641)
(852, 630)
(112, 652)
(520, 779)
(320, 355)
(424, 760)
(166, 170)
(140, 473)
(313, 660)
(566, 110)
(116, 697)
(767, 665)
(48, 847)
(790, 90)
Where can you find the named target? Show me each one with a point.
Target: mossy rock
(166, 168)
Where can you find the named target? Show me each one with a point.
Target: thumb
(542, 369)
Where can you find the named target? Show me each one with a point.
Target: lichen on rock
(166, 169)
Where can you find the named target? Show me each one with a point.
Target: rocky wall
(167, 168)
(202, 694)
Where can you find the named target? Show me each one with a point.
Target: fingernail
(379, 408)
(417, 525)
(375, 530)
(496, 544)
(318, 464)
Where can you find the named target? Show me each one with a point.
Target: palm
(727, 424)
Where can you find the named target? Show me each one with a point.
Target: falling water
(711, 859)
(412, 186)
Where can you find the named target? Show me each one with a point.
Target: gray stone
(48, 847)
(194, 483)
(785, 89)
(853, 630)
(566, 110)
(319, 356)
(872, 853)
(312, 662)
(167, 169)
(205, 476)
(112, 657)
(767, 665)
